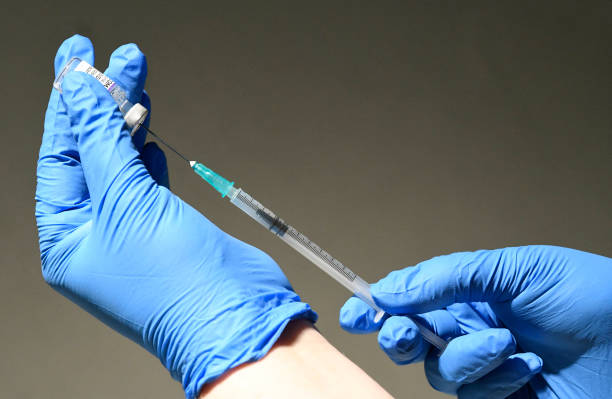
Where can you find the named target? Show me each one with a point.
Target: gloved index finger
(401, 338)
(486, 276)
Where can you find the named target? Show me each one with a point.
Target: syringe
(135, 114)
(300, 243)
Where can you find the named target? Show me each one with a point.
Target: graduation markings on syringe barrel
(290, 235)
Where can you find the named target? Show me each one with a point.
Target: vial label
(90, 70)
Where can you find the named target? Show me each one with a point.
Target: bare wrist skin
(302, 363)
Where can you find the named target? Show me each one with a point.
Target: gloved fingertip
(506, 379)
(534, 362)
(500, 341)
(128, 67)
(74, 46)
(357, 317)
(400, 339)
(473, 355)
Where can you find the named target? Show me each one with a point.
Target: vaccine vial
(134, 114)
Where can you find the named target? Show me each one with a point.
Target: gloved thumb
(481, 276)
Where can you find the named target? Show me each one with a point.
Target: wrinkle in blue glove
(117, 242)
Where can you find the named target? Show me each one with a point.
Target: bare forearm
(302, 364)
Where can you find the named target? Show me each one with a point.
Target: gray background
(389, 133)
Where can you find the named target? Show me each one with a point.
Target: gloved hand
(533, 321)
(127, 250)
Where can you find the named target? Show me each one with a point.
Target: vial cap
(136, 115)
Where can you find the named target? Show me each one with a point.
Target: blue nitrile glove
(535, 321)
(135, 255)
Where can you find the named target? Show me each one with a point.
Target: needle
(164, 143)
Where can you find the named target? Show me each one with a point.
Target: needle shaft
(166, 144)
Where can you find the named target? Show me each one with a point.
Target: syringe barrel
(318, 256)
(293, 238)
(134, 114)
